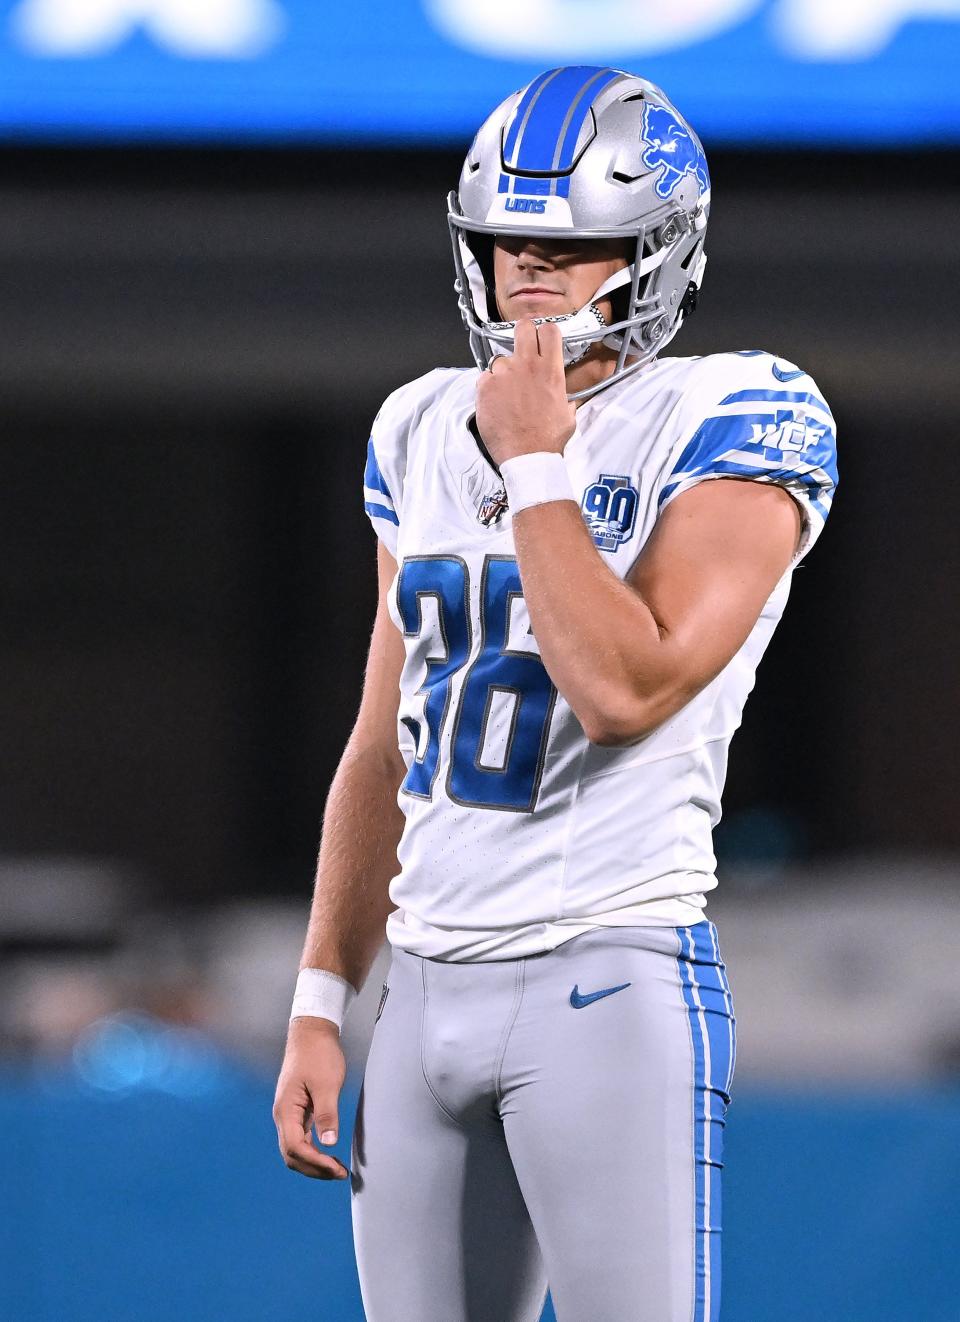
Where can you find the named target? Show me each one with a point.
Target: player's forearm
(599, 640)
(358, 858)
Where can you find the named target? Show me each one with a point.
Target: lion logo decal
(671, 149)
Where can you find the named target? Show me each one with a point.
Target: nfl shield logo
(492, 508)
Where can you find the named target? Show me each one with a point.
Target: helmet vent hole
(634, 96)
(689, 259)
(623, 178)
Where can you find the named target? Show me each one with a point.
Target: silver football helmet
(586, 153)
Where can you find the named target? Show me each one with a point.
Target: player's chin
(540, 305)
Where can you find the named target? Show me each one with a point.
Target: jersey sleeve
(378, 499)
(387, 450)
(760, 418)
(394, 439)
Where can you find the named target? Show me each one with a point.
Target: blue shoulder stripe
(775, 397)
(818, 496)
(747, 432)
(380, 512)
(372, 477)
(736, 445)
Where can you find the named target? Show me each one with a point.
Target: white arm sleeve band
(322, 995)
(534, 479)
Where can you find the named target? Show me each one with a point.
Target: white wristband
(322, 995)
(534, 479)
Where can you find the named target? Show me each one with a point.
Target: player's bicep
(376, 724)
(714, 557)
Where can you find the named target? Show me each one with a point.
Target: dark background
(195, 345)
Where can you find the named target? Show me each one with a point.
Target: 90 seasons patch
(609, 509)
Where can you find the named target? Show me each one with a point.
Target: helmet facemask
(654, 293)
(641, 325)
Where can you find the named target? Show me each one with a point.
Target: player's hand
(522, 404)
(308, 1092)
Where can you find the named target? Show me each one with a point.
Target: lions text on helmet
(585, 153)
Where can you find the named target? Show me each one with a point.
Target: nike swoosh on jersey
(579, 1000)
(786, 376)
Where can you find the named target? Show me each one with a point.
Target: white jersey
(519, 832)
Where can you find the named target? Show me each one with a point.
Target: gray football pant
(506, 1138)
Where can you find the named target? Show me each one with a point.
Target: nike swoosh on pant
(578, 1000)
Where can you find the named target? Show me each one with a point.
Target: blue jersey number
(445, 579)
(513, 679)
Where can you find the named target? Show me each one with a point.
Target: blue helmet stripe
(523, 110)
(563, 156)
(566, 148)
(530, 148)
(547, 124)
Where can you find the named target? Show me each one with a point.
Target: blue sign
(753, 71)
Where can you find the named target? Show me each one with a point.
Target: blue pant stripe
(698, 1038)
(728, 1000)
(706, 995)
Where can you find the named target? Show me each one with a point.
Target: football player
(584, 548)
